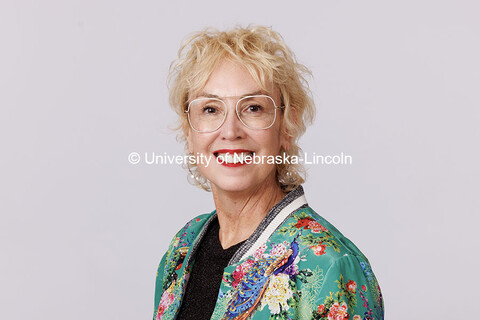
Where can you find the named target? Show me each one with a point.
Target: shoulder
(319, 241)
(327, 258)
(184, 238)
(187, 234)
(197, 222)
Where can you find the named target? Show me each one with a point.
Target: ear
(188, 136)
(286, 136)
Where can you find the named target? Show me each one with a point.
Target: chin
(240, 183)
(239, 179)
(233, 185)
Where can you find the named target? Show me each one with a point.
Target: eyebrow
(209, 95)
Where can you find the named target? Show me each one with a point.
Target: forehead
(232, 79)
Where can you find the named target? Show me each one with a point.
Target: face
(232, 80)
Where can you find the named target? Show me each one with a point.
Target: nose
(232, 128)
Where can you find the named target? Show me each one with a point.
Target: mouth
(233, 157)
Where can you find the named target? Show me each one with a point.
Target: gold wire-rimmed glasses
(255, 112)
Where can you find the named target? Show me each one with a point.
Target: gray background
(83, 84)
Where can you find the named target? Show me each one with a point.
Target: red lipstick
(230, 151)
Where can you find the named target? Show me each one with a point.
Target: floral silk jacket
(295, 265)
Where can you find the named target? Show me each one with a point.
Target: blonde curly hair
(267, 58)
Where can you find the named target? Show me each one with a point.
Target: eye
(209, 110)
(253, 108)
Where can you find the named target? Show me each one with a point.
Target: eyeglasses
(255, 112)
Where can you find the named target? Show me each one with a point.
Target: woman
(263, 253)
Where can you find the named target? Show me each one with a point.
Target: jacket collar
(289, 204)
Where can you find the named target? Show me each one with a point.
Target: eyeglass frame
(187, 111)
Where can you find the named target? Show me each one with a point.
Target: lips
(233, 157)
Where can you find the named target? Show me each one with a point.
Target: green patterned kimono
(296, 265)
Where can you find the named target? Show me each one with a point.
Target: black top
(204, 283)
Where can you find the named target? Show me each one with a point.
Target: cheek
(193, 145)
(188, 137)
(199, 142)
(272, 142)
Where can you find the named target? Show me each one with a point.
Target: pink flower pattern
(279, 249)
(240, 272)
(319, 249)
(316, 227)
(338, 312)
(351, 286)
(166, 300)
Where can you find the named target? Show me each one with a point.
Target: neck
(239, 213)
